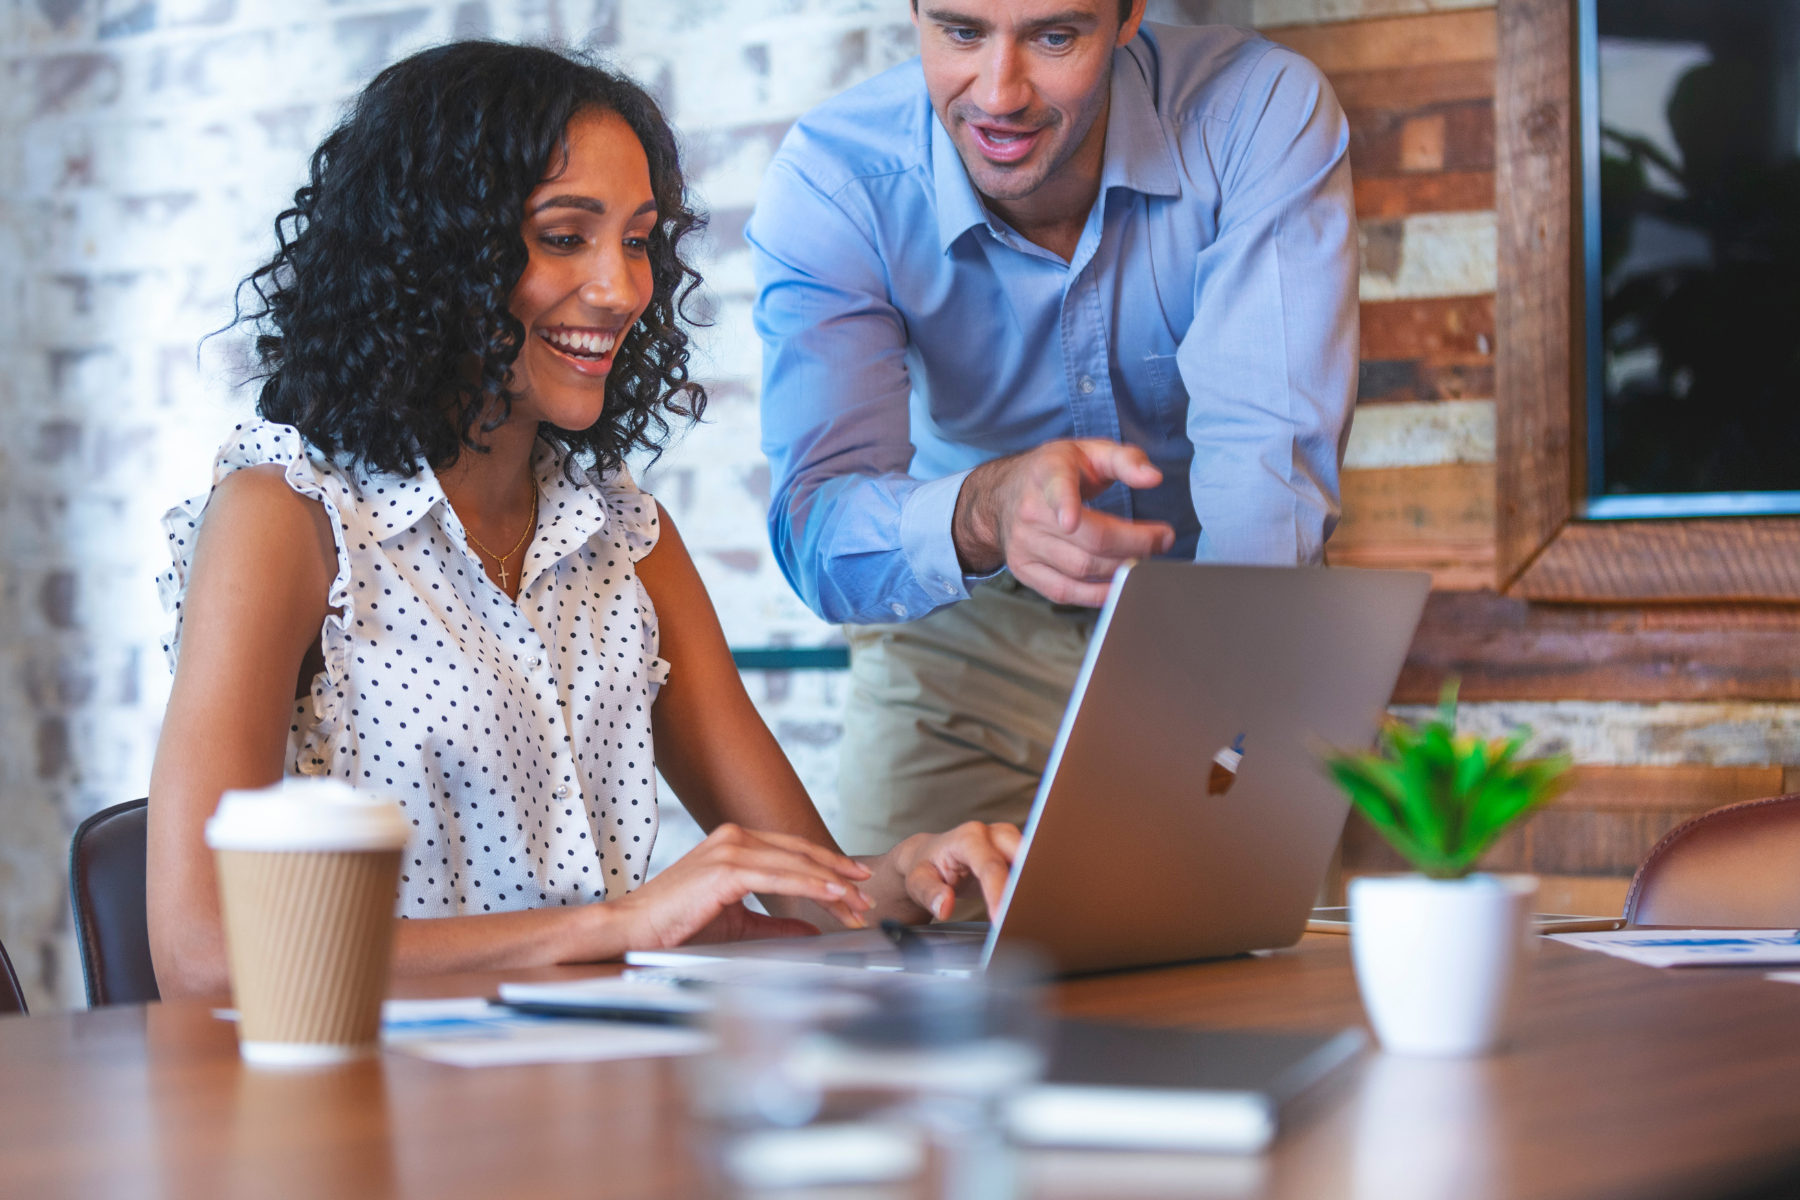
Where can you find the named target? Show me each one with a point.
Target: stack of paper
(1692, 947)
(473, 1033)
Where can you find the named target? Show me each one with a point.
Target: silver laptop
(1184, 813)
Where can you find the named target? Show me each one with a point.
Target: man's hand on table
(1026, 512)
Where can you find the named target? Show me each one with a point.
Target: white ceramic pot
(1440, 962)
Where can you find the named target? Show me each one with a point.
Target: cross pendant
(503, 574)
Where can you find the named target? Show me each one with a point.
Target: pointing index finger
(1063, 496)
(1109, 536)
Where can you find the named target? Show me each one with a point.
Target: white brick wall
(145, 147)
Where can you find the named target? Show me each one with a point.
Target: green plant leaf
(1472, 766)
(1440, 799)
(1447, 700)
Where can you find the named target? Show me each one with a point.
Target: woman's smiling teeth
(579, 343)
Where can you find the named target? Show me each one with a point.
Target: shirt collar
(1137, 153)
(1137, 145)
(567, 515)
(959, 209)
(391, 505)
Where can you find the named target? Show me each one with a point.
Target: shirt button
(533, 663)
(899, 609)
(1086, 384)
(561, 792)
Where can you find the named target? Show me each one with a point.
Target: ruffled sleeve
(632, 518)
(257, 444)
(633, 512)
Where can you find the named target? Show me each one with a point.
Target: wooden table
(1624, 1081)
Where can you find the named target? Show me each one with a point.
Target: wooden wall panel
(1535, 149)
(1462, 36)
(1411, 329)
(1438, 378)
(1686, 789)
(1422, 138)
(1384, 198)
(1583, 895)
(1591, 843)
(1412, 85)
(1418, 93)
(1745, 559)
(1438, 519)
(1543, 551)
(1439, 349)
(1505, 648)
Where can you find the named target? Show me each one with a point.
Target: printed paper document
(1692, 947)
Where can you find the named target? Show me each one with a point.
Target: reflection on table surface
(1623, 1081)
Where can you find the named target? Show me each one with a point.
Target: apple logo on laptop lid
(1224, 767)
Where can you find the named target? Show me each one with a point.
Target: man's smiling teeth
(575, 341)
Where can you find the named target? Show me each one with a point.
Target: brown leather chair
(12, 996)
(1737, 866)
(106, 886)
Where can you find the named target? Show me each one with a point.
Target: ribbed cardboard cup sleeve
(310, 935)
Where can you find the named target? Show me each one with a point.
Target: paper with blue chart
(1692, 947)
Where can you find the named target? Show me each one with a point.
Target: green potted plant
(1437, 953)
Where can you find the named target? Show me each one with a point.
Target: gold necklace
(530, 528)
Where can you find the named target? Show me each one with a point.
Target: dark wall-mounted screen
(1691, 140)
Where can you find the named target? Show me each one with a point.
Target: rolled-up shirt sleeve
(1270, 359)
(856, 536)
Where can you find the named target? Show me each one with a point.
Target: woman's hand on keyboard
(701, 896)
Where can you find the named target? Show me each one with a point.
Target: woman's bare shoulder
(262, 491)
(254, 515)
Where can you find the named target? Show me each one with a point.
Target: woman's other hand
(934, 869)
(700, 897)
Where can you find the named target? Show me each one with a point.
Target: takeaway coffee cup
(307, 871)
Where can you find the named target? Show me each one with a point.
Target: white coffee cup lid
(306, 814)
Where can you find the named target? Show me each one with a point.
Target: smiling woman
(392, 291)
(427, 572)
(589, 277)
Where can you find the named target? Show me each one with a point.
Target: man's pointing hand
(1027, 512)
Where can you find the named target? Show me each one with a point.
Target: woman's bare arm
(719, 756)
(255, 603)
(711, 744)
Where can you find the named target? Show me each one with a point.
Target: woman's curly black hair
(399, 255)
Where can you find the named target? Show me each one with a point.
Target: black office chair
(12, 996)
(106, 890)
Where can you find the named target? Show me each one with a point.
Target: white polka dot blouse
(516, 735)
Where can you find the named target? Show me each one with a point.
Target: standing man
(1065, 291)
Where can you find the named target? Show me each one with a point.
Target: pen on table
(594, 1012)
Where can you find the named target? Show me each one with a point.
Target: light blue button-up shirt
(1208, 316)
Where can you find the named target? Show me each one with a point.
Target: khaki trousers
(951, 717)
